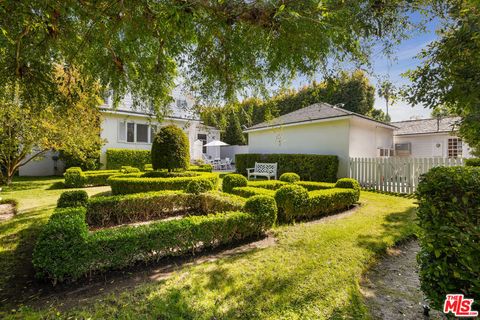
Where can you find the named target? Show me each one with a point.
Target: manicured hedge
(114, 210)
(309, 167)
(231, 181)
(289, 177)
(276, 184)
(66, 250)
(313, 185)
(267, 184)
(199, 186)
(199, 168)
(472, 162)
(297, 204)
(350, 184)
(449, 220)
(116, 158)
(135, 183)
(76, 178)
(247, 192)
(77, 198)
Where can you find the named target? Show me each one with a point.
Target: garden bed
(67, 249)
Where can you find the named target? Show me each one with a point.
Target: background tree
(379, 115)
(233, 133)
(170, 149)
(450, 73)
(28, 131)
(353, 90)
(386, 90)
(220, 47)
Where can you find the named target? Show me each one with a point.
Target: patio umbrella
(216, 143)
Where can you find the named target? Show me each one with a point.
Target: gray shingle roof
(317, 111)
(424, 126)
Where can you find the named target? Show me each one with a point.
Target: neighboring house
(429, 138)
(131, 128)
(323, 129)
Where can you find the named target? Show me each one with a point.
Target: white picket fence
(395, 174)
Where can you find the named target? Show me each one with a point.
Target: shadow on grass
(17, 240)
(29, 183)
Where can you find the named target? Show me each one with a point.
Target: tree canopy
(218, 47)
(449, 77)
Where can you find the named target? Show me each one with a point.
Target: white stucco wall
(366, 137)
(110, 132)
(425, 145)
(326, 138)
(43, 166)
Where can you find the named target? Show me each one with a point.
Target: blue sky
(392, 67)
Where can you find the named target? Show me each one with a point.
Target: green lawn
(312, 272)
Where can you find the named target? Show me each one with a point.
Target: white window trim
(135, 123)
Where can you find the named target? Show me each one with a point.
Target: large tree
(28, 131)
(449, 76)
(219, 47)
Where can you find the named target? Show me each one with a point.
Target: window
(182, 103)
(130, 132)
(454, 148)
(142, 133)
(203, 137)
(136, 132)
(386, 152)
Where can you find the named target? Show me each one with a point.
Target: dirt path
(392, 287)
(7, 211)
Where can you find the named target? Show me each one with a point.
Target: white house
(323, 129)
(131, 128)
(429, 138)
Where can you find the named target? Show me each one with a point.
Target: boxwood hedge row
(121, 209)
(116, 158)
(449, 220)
(247, 192)
(66, 250)
(311, 167)
(76, 178)
(135, 183)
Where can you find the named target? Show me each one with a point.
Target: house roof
(426, 126)
(315, 112)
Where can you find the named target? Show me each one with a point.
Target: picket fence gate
(395, 174)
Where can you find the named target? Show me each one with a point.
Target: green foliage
(129, 169)
(472, 162)
(449, 219)
(76, 178)
(66, 250)
(349, 183)
(266, 184)
(379, 115)
(231, 181)
(201, 168)
(122, 209)
(310, 167)
(290, 200)
(77, 198)
(116, 158)
(449, 75)
(170, 149)
(233, 132)
(61, 251)
(247, 192)
(313, 185)
(328, 201)
(264, 209)
(289, 177)
(199, 186)
(157, 181)
(87, 159)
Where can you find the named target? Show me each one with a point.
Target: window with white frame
(182, 104)
(136, 132)
(454, 148)
(386, 152)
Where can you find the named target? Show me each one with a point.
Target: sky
(392, 68)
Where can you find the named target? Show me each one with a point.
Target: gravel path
(392, 287)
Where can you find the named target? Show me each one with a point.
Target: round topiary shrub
(290, 177)
(77, 198)
(231, 181)
(199, 186)
(170, 149)
(264, 208)
(349, 184)
(290, 200)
